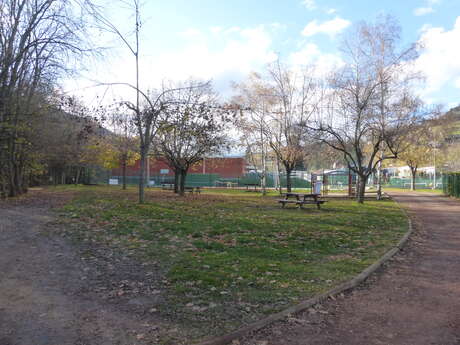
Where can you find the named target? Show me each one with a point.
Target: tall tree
(369, 106)
(253, 122)
(287, 100)
(193, 126)
(416, 151)
(36, 40)
(122, 138)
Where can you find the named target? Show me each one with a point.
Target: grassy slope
(232, 256)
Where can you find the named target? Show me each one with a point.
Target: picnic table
(254, 185)
(191, 190)
(301, 199)
(167, 186)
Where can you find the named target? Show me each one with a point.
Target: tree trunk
(142, 176)
(183, 175)
(263, 182)
(176, 180)
(361, 188)
(379, 181)
(77, 177)
(123, 173)
(288, 180)
(413, 175)
(13, 188)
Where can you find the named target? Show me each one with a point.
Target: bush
(451, 184)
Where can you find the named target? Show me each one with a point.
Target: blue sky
(224, 40)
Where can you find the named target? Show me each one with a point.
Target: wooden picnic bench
(167, 186)
(191, 190)
(301, 199)
(253, 185)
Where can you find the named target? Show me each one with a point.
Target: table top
(302, 194)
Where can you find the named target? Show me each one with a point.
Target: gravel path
(415, 300)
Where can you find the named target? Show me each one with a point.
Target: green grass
(407, 190)
(236, 254)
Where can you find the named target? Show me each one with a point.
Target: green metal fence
(215, 180)
(420, 183)
(451, 184)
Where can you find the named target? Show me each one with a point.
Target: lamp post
(434, 146)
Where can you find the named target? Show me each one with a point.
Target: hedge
(451, 184)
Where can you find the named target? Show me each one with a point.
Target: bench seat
(300, 203)
(193, 190)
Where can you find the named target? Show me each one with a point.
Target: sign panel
(164, 171)
(113, 181)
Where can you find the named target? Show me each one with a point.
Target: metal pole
(434, 168)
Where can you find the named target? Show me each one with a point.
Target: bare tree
(192, 127)
(37, 38)
(149, 104)
(296, 100)
(288, 101)
(123, 138)
(369, 107)
(253, 122)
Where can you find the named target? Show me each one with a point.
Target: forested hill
(454, 113)
(453, 116)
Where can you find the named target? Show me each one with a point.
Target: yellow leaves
(102, 152)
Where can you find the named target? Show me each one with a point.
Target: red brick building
(226, 167)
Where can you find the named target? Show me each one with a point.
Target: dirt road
(413, 301)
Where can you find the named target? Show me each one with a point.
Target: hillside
(453, 115)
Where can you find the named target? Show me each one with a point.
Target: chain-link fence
(333, 182)
(420, 183)
(215, 180)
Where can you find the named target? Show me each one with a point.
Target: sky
(224, 40)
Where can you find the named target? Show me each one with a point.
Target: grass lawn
(407, 190)
(231, 257)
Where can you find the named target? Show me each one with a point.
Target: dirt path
(44, 296)
(414, 301)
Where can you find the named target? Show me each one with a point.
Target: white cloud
(331, 11)
(429, 8)
(425, 28)
(309, 4)
(330, 27)
(240, 51)
(310, 54)
(457, 83)
(439, 60)
(421, 11)
(216, 29)
(278, 26)
(223, 54)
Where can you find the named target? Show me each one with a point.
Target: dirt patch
(413, 301)
(53, 292)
